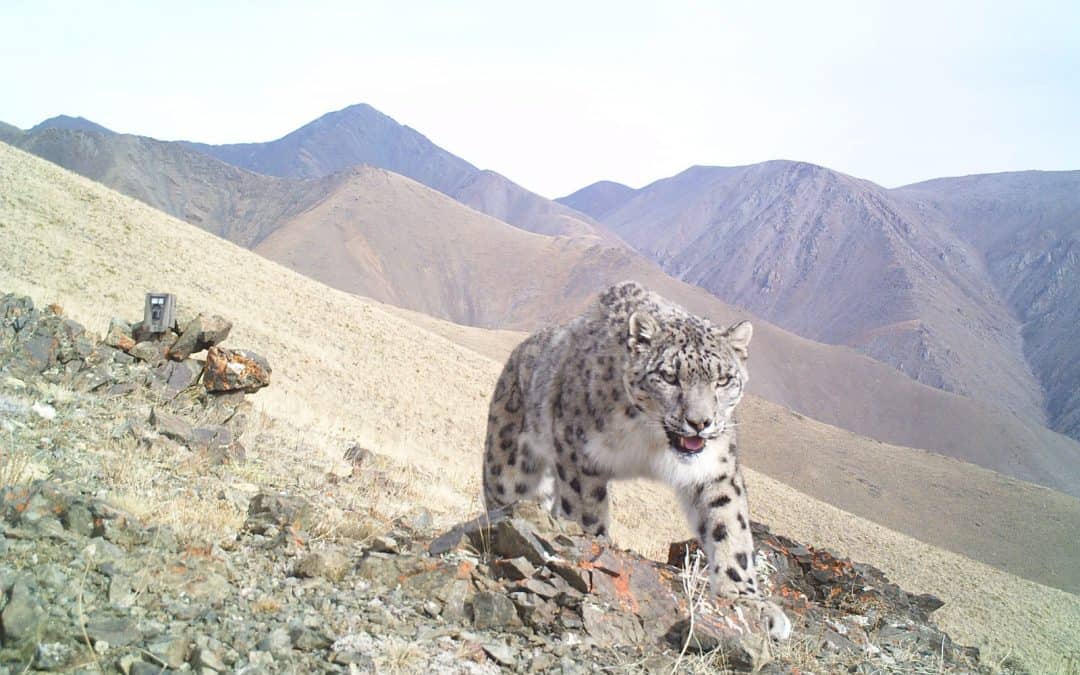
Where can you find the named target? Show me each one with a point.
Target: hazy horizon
(565, 96)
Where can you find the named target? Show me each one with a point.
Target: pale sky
(557, 95)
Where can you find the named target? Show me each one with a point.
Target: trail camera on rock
(159, 312)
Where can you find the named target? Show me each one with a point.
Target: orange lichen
(425, 566)
(464, 570)
(198, 552)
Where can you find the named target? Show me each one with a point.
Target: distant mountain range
(228, 201)
(360, 134)
(1025, 227)
(381, 235)
(966, 284)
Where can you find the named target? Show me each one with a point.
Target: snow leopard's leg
(513, 469)
(718, 512)
(581, 489)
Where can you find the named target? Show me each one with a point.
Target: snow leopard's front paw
(772, 616)
(776, 621)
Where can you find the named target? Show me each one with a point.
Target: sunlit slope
(345, 368)
(385, 236)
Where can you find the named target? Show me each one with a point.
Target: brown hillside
(392, 239)
(345, 369)
(238, 205)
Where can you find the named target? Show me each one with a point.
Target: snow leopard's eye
(670, 376)
(723, 380)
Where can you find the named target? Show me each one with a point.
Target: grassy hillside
(384, 236)
(347, 369)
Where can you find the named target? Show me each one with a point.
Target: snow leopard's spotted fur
(635, 387)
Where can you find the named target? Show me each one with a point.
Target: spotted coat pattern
(634, 387)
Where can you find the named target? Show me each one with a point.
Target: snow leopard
(635, 387)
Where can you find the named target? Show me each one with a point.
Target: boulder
(329, 564)
(202, 332)
(22, 616)
(150, 351)
(494, 610)
(179, 375)
(235, 370)
(119, 335)
(172, 426)
(277, 510)
(15, 307)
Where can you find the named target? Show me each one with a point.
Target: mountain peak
(358, 111)
(599, 198)
(69, 122)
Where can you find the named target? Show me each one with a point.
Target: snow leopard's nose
(698, 424)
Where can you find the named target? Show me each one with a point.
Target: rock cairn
(86, 586)
(200, 402)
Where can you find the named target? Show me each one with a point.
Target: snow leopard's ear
(738, 336)
(643, 330)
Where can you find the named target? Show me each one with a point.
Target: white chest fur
(639, 448)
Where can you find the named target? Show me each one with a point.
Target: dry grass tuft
(399, 655)
(266, 605)
(15, 462)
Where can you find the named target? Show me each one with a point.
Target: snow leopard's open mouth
(686, 445)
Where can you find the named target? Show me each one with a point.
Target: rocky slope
(88, 585)
(1026, 226)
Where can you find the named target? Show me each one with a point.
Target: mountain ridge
(1026, 226)
(598, 198)
(595, 264)
(844, 261)
(360, 134)
(223, 199)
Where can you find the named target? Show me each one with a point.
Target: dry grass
(15, 462)
(19, 462)
(345, 370)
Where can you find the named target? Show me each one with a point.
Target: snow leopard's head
(685, 373)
